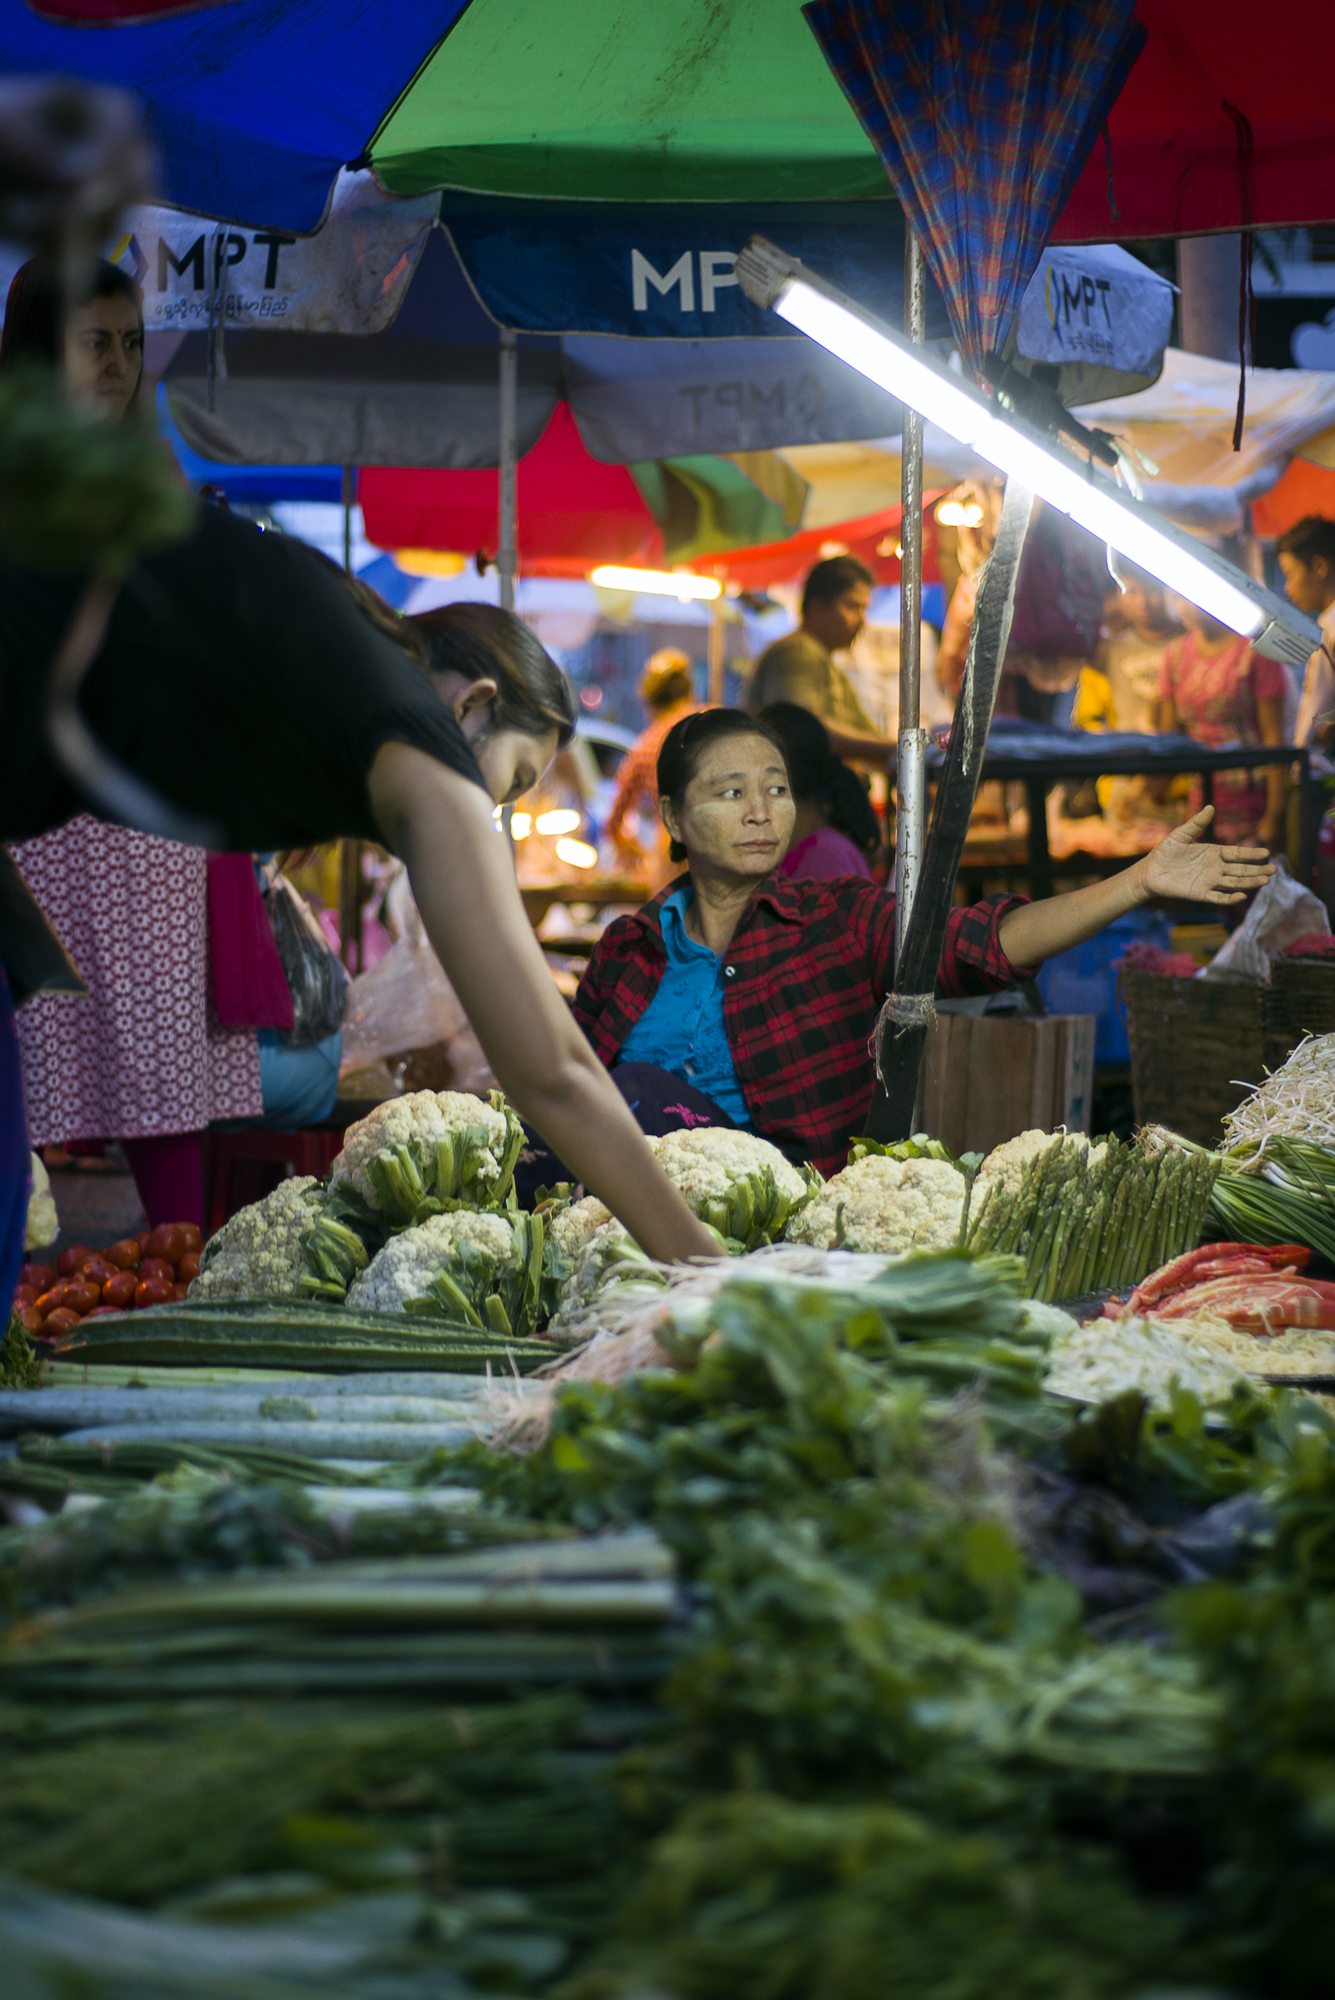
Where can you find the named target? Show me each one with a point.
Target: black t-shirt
(237, 679)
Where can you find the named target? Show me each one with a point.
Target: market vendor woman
(741, 997)
(239, 680)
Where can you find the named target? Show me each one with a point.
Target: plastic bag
(405, 1014)
(318, 983)
(1282, 912)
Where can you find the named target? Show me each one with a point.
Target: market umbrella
(254, 108)
(982, 117)
(572, 511)
(575, 512)
(425, 390)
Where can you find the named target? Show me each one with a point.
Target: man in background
(1307, 558)
(800, 669)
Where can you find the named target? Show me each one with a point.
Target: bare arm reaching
(1183, 865)
(463, 879)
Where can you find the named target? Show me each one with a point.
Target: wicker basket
(1198, 1046)
(1300, 998)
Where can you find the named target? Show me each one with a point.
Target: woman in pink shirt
(1213, 687)
(836, 830)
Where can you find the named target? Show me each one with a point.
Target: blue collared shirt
(682, 1030)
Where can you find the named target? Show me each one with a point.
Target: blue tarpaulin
(252, 107)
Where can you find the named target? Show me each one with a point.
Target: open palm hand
(1191, 869)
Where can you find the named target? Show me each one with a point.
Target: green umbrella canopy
(633, 100)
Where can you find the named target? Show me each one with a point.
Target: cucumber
(270, 1333)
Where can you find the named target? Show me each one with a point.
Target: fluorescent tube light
(772, 278)
(658, 582)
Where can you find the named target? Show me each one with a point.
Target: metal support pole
(215, 352)
(716, 639)
(911, 775)
(507, 553)
(350, 904)
(347, 517)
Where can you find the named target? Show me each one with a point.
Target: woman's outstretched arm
(463, 879)
(1185, 866)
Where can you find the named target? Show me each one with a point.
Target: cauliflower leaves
(479, 1267)
(418, 1155)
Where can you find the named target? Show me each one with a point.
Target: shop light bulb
(521, 826)
(577, 854)
(657, 582)
(560, 821)
(770, 277)
(958, 514)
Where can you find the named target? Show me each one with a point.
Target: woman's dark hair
(1313, 536)
(481, 642)
(33, 315)
(685, 744)
(814, 772)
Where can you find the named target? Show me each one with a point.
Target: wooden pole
(901, 1032)
(911, 772)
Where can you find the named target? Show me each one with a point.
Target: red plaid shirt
(806, 972)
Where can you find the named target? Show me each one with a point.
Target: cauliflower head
(445, 1144)
(469, 1264)
(568, 1232)
(259, 1254)
(1005, 1164)
(884, 1205)
(739, 1184)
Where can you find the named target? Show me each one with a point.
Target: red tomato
(168, 1242)
(188, 1267)
(118, 1292)
(60, 1321)
(102, 1312)
(180, 1291)
(48, 1301)
(142, 1241)
(158, 1267)
(32, 1320)
(154, 1292)
(82, 1298)
(97, 1270)
(125, 1255)
(194, 1237)
(25, 1295)
(40, 1276)
(68, 1262)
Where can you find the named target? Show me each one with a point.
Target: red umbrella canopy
(873, 538)
(1225, 120)
(573, 510)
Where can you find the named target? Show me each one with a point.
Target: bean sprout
(1297, 1101)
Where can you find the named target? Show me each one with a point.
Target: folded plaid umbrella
(983, 115)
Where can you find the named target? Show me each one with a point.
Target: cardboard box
(987, 1077)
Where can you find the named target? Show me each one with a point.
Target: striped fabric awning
(983, 115)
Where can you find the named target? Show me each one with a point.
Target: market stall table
(1039, 758)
